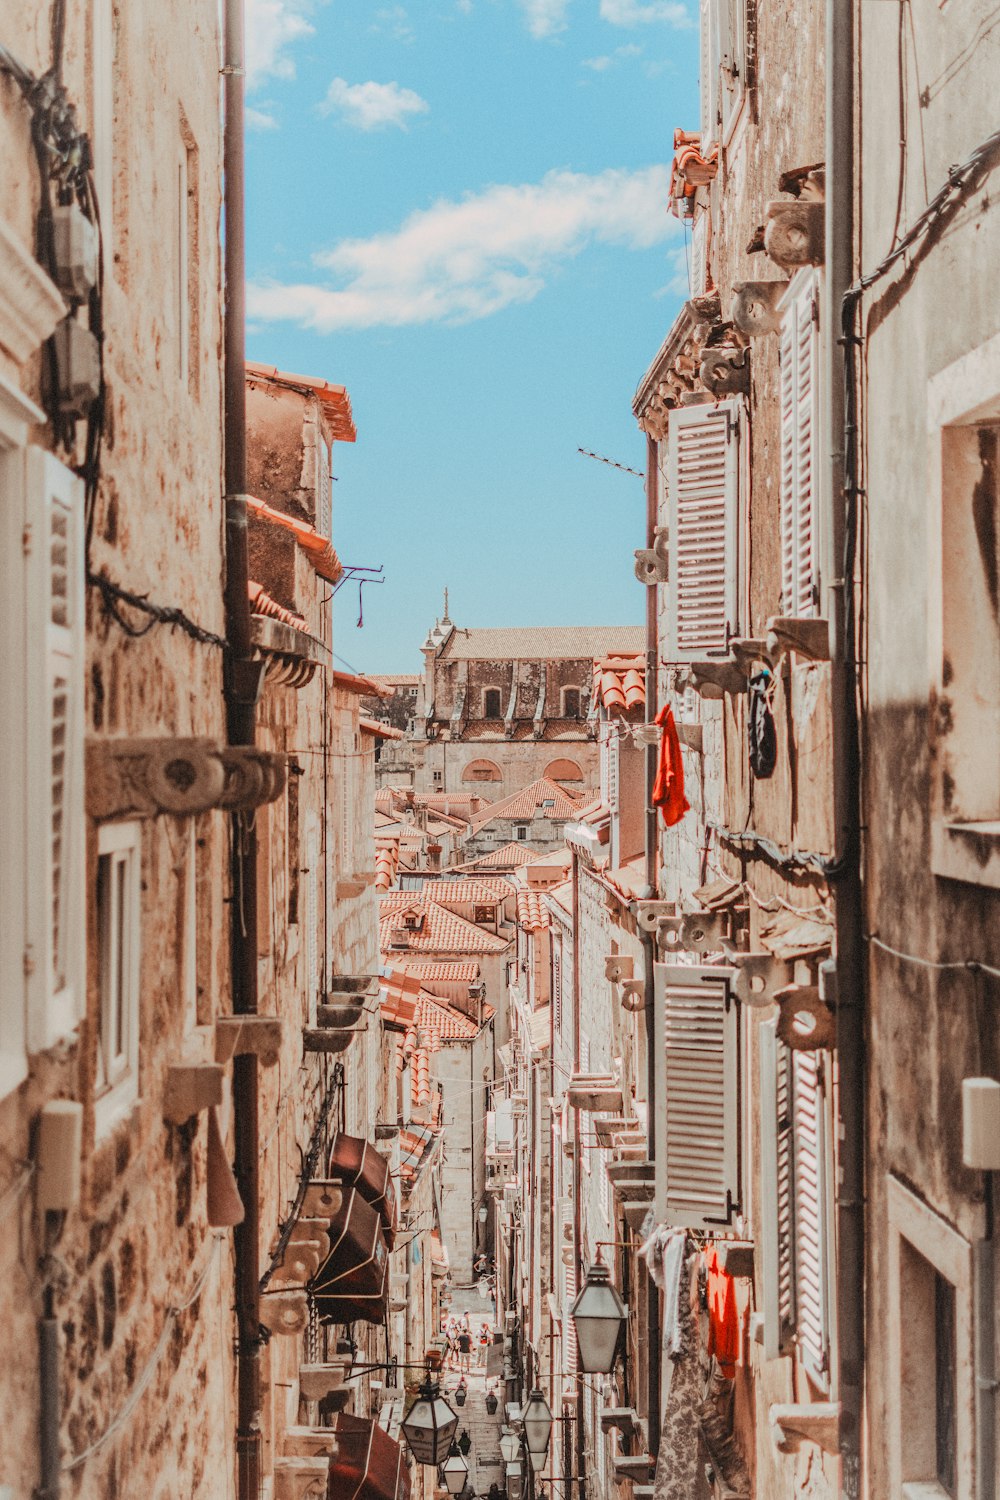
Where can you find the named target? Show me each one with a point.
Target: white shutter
(709, 67)
(703, 521)
(565, 1242)
(811, 1172)
(698, 277)
(312, 921)
(55, 728)
(799, 353)
(732, 60)
(776, 1216)
(700, 1113)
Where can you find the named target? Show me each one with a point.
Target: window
(964, 548)
(698, 1176)
(438, 777)
(702, 480)
(292, 845)
(118, 968)
(799, 358)
(311, 872)
(724, 67)
(487, 914)
(491, 703)
(571, 703)
(482, 770)
(562, 770)
(930, 1404)
(521, 831)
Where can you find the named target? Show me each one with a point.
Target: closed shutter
(557, 991)
(709, 72)
(699, 255)
(811, 1175)
(312, 922)
(776, 1225)
(613, 771)
(567, 1254)
(701, 1109)
(55, 725)
(799, 447)
(703, 520)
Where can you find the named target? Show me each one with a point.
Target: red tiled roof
(486, 890)
(398, 997)
(689, 170)
(562, 894)
(526, 804)
(379, 730)
(542, 643)
(358, 682)
(455, 804)
(442, 1021)
(531, 914)
(442, 931)
(261, 603)
(386, 863)
(629, 879)
(317, 548)
(335, 401)
(458, 973)
(508, 854)
(620, 683)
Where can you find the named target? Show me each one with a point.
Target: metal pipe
(838, 586)
(243, 678)
(986, 1363)
(648, 941)
(48, 1409)
(577, 1170)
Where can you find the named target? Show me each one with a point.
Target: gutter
(838, 584)
(242, 689)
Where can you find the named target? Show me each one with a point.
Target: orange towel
(668, 788)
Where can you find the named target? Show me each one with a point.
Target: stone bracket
(146, 777)
(650, 566)
(235, 1036)
(318, 1381)
(805, 1023)
(713, 679)
(793, 232)
(190, 1088)
(759, 977)
(808, 1422)
(706, 932)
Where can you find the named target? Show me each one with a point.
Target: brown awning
(353, 1281)
(368, 1464)
(355, 1161)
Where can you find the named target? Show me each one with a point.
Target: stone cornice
(30, 304)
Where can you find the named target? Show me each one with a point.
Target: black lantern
(537, 1429)
(429, 1426)
(454, 1472)
(599, 1315)
(491, 1402)
(461, 1391)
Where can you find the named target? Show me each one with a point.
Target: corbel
(651, 562)
(725, 372)
(692, 736)
(634, 995)
(236, 1036)
(253, 777)
(806, 637)
(805, 1022)
(706, 932)
(759, 977)
(342, 1014)
(286, 1312)
(623, 1419)
(190, 1088)
(322, 1199)
(618, 967)
(316, 1382)
(754, 308)
(144, 777)
(309, 1442)
(713, 680)
(748, 651)
(736, 1258)
(794, 231)
(301, 1478)
(328, 1038)
(804, 182)
(307, 1247)
(806, 1422)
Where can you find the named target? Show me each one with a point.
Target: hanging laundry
(723, 1318)
(668, 789)
(679, 1467)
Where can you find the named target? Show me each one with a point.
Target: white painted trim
(30, 303)
(17, 415)
(117, 1100)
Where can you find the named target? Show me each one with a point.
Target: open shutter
(709, 66)
(55, 728)
(799, 447)
(699, 255)
(775, 1228)
(701, 1109)
(703, 519)
(312, 921)
(811, 1175)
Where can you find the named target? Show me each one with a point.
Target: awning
(355, 1161)
(353, 1281)
(368, 1464)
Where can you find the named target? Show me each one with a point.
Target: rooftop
(543, 642)
(530, 802)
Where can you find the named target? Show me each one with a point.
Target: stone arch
(563, 770)
(482, 770)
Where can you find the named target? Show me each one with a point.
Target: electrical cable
(972, 965)
(13, 1194)
(113, 595)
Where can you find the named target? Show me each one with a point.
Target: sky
(458, 210)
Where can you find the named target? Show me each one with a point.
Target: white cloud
(610, 59)
(545, 17)
(259, 119)
(271, 27)
(370, 106)
(393, 20)
(459, 261)
(644, 12)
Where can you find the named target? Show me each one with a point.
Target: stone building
(499, 708)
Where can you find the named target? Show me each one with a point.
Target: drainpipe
(838, 590)
(987, 1384)
(649, 941)
(577, 1172)
(242, 689)
(48, 1415)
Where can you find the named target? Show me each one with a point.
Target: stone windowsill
(969, 852)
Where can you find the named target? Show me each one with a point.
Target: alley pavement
(485, 1462)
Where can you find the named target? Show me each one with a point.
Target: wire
(309, 1159)
(973, 965)
(610, 462)
(113, 595)
(12, 1195)
(135, 1396)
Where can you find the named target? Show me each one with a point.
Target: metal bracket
(706, 932)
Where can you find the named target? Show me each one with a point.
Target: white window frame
(53, 539)
(723, 31)
(816, 1354)
(698, 1028)
(913, 1223)
(774, 1222)
(801, 444)
(705, 438)
(189, 947)
(117, 1087)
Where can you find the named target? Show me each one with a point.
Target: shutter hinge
(29, 960)
(26, 539)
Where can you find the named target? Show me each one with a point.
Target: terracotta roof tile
(379, 730)
(527, 804)
(452, 893)
(358, 682)
(261, 603)
(620, 684)
(467, 972)
(441, 931)
(386, 863)
(531, 914)
(542, 643)
(498, 859)
(442, 1021)
(335, 401)
(317, 548)
(398, 994)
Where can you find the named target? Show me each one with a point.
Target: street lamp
(514, 1478)
(510, 1447)
(429, 1426)
(454, 1472)
(491, 1402)
(599, 1315)
(537, 1428)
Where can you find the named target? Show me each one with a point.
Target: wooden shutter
(312, 921)
(557, 995)
(775, 1219)
(709, 68)
(799, 353)
(701, 1108)
(55, 729)
(699, 254)
(811, 1176)
(703, 518)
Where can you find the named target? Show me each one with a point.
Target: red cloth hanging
(723, 1319)
(668, 788)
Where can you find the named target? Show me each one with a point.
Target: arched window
(491, 704)
(571, 703)
(482, 770)
(562, 770)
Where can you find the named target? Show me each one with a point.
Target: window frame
(116, 1087)
(486, 701)
(800, 374)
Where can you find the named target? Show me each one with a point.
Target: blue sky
(457, 209)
